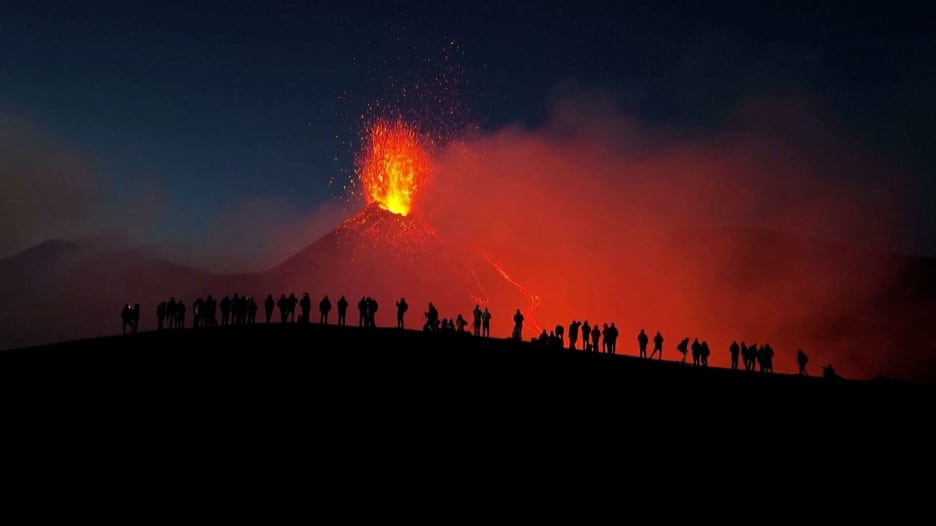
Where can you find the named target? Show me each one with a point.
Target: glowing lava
(395, 247)
(392, 166)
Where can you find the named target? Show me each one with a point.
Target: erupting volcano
(393, 165)
(388, 251)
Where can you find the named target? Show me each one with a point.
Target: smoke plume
(770, 230)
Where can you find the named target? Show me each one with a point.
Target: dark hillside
(339, 403)
(417, 387)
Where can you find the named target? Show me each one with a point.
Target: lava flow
(392, 167)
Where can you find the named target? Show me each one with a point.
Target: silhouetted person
(197, 312)
(734, 350)
(573, 333)
(342, 310)
(291, 303)
(801, 359)
(305, 308)
(160, 315)
(225, 310)
(642, 341)
(683, 348)
(595, 334)
(586, 336)
(324, 308)
(371, 310)
(432, 319)
(611, 336)
(766, 355)
(518, 325)
(829, 372)
(748, 356)
(180, 314)
(657, 345)
(252, 311)
(460, 323)
(211, 311)
(283, 305)
(486, 323)
(170, 313)
(476, 320)
(401, 308)
(126, 317)
(560, 333)
(268, 305)
(696, 352)
(704, 353)
(543, 338)
(236, 309)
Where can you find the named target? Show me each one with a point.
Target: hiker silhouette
(518, 325)
(342, 310)
(734, 350)
(268, 307)
(642, 341)
(657, 345)
(573, 333)
(401, 308)
(130, 316)
(324, 308)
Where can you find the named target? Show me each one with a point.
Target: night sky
(200, 106)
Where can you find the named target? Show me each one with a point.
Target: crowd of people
(239, 310)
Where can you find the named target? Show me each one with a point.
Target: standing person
(401, 308)
(657, 345)
(342, 310)
(801, 359)
(642, 341)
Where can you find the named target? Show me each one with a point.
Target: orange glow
(392, 166)
(534, 299)
(610, 223)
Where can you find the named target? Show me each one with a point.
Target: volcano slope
(387, 256)
(386, 390)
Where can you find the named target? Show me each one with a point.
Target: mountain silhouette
(63, 290)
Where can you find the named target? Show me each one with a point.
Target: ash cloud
(46, 190)
(772, 229)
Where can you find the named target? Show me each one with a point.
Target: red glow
(535, 301)
(611, 221)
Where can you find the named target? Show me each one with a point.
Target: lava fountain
(393, 165)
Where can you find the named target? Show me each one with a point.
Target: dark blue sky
(223, 100)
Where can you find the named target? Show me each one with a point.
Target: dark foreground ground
(331, 406)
